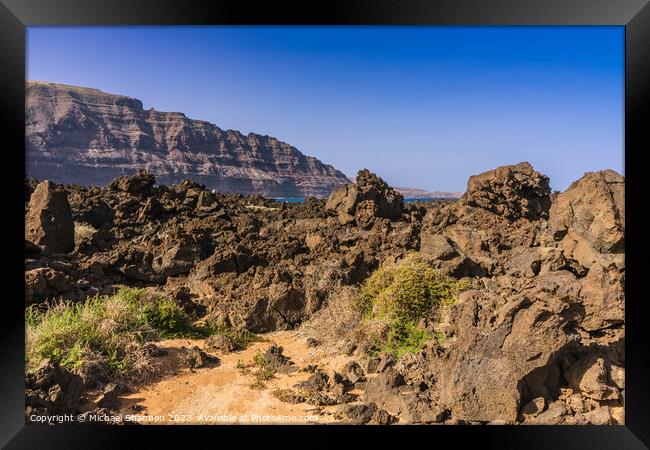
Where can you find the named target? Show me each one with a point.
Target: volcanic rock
(368, 198)
(52, 389)
(48, 222)
(194, 357)
(588, 219)
(510, 191)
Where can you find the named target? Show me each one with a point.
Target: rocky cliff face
(85, 136)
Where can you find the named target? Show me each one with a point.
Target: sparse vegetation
(263, 373)
(82, 231)
(242, 367)
(400, 296)
(106, 333)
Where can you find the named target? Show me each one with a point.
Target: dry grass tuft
(82, 231)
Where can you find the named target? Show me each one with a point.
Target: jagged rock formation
(85, 136)
(366, 199)
(541, 338)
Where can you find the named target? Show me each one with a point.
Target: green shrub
(168, 318)
(108, 332)
(400, 296)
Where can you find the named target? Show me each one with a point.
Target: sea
(406, 200)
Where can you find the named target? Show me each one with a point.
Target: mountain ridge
(85, 136)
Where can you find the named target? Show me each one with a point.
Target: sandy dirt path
(221, 394)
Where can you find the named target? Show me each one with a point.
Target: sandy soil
(221, 394)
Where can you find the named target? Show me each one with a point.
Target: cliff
(84, 136)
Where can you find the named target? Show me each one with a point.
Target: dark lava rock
(194, 357)
(511, 191)
(318, 381)
(48, 223)
(360, 414)
(52, 389)
(276, 361)
(221, 342)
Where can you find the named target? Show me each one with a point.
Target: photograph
(314, 224)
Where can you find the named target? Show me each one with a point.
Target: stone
(380, 200)
(353, 372)
(365, 214)
(598, 416)
(318, 381)
(360, 414)
(510, 191)
(139, 183)
(534, 407)
(588, 375)
(48, 223)
(220, 342)
(52, 389)
(437, 246)
(195, 358)
(45, 283)
(591, 209)
(552, 416)
(617, 375)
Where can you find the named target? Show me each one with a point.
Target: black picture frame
(634, 15)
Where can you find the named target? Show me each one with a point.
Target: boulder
(589, 376)
(193, 357)
(140, 183)
(370, 195)
(365, 214)
(591, 210)
(360, 414)
(353, 372)
(437, 246)
(48, 223)
(514, 192)
(220, 342)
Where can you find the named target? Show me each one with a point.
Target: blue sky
(422, 106)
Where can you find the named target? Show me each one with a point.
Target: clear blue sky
(422, 106)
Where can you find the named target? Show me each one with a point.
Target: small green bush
(168, 318)
(400, 296)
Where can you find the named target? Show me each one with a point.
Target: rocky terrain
(536, 337)
(88, 137)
